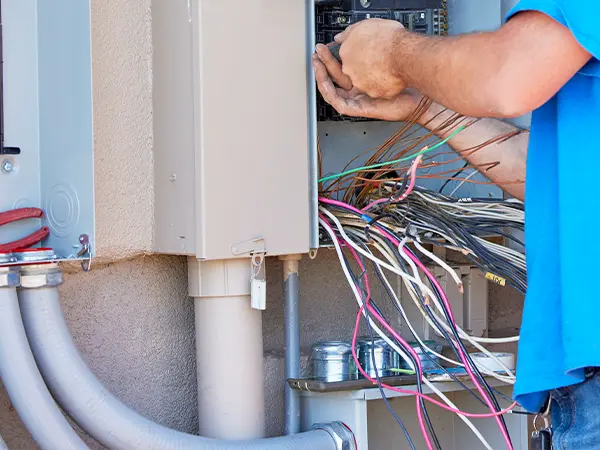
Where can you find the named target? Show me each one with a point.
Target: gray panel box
(48, 115)
(230, 127)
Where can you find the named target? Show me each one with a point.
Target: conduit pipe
(229, 350)
(109, 421)
(291, 292)
(23, 381)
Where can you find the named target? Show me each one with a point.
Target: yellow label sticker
(495, 279)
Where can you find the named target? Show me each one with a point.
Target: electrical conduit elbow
(107, 419)
(22, 380)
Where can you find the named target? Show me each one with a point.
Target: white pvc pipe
(24, 384)
(100, 413)
(229, 350)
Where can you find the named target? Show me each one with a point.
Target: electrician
(545, 60)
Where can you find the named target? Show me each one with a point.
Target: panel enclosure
(342, 141)
(230, 127)
(47, 99)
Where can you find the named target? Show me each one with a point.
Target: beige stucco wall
(122, 78)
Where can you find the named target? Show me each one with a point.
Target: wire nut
(341, 434)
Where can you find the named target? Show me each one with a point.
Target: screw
(173, 177)
(7, 166)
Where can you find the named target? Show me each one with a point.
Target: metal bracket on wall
(85, 249)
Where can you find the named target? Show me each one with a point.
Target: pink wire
(434, 281)
(411, 185)
(398, 338)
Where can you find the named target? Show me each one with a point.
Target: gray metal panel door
(251, 126)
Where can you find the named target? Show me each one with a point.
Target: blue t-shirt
(560, 334)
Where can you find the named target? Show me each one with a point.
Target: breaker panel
(333, 17)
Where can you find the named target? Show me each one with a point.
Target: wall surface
(123, 159)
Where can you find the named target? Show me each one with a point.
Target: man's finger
(333, 67)
(341, 37)
(328, 90)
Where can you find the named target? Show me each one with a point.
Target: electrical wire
(481, 387)
(451, 407)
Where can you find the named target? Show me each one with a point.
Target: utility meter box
(231, 127)
(46, 161)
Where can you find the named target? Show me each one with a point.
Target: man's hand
(368, 56)
(350, 101)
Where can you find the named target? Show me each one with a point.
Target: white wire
(396, 348)
(440, 263)
(425, 289)
(428, 293)
(463, 182)
(510, 379)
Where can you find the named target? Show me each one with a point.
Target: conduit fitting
(9, 276)
(342, 435)
(41, 275)
(102, 415)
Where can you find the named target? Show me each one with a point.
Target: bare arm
(504, 73)
(511, 154)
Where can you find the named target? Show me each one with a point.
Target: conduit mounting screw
(7, 166)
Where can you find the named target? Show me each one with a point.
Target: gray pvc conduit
(99, 412)
(291, 291)
(25, 385)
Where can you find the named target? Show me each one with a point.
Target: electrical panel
(46, 159)
(231, 127)
(333, 17)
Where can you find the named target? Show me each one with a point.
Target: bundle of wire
(390, 227)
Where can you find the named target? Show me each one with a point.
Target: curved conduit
(25, 385)
(99, 412)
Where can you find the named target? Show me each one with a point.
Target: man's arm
(504, 73)
(510, 154)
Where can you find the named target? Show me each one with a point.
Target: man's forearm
(460, 72)
(511, 154)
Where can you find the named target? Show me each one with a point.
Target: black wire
(381, 390)
(453, 176)
(425, 351)
(481, 380)
(419, 380)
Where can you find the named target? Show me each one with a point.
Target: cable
(435, 283)
(451, 407)
(388, 163)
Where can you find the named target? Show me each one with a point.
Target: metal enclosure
(48, 115)
(230, 127)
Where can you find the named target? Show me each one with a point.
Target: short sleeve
(577, 15)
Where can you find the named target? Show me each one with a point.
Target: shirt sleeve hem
(551, 9)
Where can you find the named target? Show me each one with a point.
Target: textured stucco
(123, 161)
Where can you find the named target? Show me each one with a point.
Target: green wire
(403, 371)
(395, 161)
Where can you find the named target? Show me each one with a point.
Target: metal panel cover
(251, 126)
